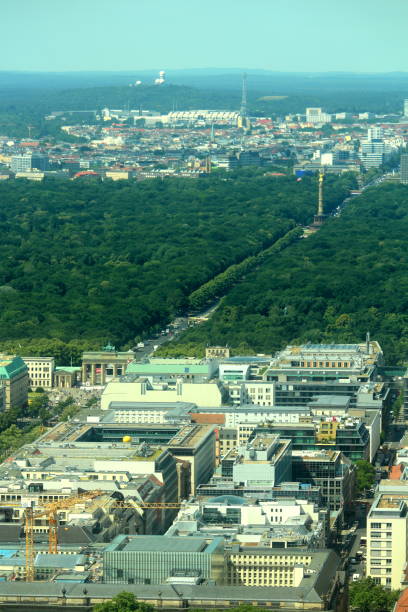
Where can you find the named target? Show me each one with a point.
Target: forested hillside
(349, 278)
(96, 261)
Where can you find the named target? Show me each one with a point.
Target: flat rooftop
(391, 501)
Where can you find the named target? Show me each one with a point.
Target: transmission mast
(243, 109)
(243, 121)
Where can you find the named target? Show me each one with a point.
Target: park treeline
(85, 262)
(349, 278)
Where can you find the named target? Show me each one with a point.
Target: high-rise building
(406, 108)
(28, 162)
(372, 152)
(375, 133)
(404, 168)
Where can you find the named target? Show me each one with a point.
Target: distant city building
(406, 108)
(375, 133)
(29, 162)
(317, 115)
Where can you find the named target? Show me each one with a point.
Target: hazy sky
(286, 35)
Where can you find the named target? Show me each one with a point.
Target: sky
(131, 35)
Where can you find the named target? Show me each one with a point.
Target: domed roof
(231, 500)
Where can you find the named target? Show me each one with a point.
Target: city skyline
(312, 37)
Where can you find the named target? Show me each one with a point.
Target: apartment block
(387, 539)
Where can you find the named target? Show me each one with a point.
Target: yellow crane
(50, 511)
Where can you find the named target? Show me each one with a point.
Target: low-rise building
(131, 388)
(163, 559)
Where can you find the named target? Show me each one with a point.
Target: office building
(15, 380)
(40, 371)
(302, 373)
(252, 567)
(264, 460)
(406, 108)
(163, 559)
(329, 470)
(348, 435)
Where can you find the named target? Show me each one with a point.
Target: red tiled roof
(402, 603)
(395, 472)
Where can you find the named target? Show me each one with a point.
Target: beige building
(253, 566)
(387, 538)
(141, 390)
(40, 371)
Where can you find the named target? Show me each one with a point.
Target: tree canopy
(365, 475)
(349, 278)
(123, 602)
(367, 596)
(83, 264)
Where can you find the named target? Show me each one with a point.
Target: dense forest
(87, 262)
(349, 278)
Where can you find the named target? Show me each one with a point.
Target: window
(376, 525)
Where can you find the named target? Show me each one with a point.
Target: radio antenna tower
(243, 109)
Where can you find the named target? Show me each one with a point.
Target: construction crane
(50, 511)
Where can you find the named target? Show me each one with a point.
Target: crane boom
(50, 511)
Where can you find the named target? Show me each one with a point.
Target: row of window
(380, 525)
